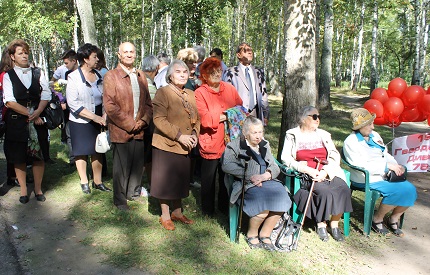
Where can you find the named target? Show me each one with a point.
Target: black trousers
(127, 170)
(210, 167)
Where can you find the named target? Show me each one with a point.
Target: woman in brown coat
(177, 125)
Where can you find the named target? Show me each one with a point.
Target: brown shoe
(182, 219)
(168, 224)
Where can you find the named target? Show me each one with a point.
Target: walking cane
(246, 158)
(324, 162)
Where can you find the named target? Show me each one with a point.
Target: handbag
(53, 114)
(305, 181)
(392, 177)
(103, 142)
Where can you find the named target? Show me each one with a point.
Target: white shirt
(251, 74)
(160, 78)
(25, 75)
(60, 72)
(134, 88)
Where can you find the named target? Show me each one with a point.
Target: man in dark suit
(249, 82)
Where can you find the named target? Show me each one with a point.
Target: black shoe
(23, 199)
(394, 227)
(322, 233)
(337, 234)
(123, 207)
(253, 245)
(101, 187)
(86, 188)
(12, 182)
(267, 246)
(383, 231)
(40, 197)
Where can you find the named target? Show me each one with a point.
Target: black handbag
(305, 181)
(53, 113)
(392, 177)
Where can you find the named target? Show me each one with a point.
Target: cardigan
(171, 120)
(211, 105)
(359, 153)
(79, 95)
(289, 154)
(231, 164)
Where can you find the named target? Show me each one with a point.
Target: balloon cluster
(399, 103)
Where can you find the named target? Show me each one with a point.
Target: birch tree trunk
(142, 46)
(75, 26)
(339, 56)
(374, 78)
(326, 57)
(87, 21)
(233, 42)
(169, 34)
(300, 85)
(357, 66)
(416, 73)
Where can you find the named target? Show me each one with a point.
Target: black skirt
(329, 198)
(170, 178)
(83, 136)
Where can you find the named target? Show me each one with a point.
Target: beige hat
(361, 117)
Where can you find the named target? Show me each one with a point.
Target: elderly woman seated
(365, 148)
(305, 149)
(266, 199)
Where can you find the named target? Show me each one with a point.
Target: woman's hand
(35, 115)
(189, 141)
(222, 117)
(258, 180)
(320, 176)
(100, 120)
(396, 168)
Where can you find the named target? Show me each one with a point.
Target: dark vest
(26, 97)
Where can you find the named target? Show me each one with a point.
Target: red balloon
(413, 95)
(410, 114)
(424, 105)
(374, 106)
(428, 90)
(380, 121)
(379, 94)
(396, 87)
(393, 123)
(393, 108)
(421, 117)
(428, 120)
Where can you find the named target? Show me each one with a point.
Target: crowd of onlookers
(170, 119)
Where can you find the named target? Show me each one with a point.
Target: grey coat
(231, 164)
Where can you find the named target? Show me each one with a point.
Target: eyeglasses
(315, 116)
(247, 50)
(216, 72)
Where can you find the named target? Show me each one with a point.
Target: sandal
(267, 246)
(394, 227)
(383, 231)
(253, 245)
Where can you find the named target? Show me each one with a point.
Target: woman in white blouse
(84, 94)
(26, 96)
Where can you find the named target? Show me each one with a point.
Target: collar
(261, 147)
(23, 70)
(360, 136)
(99, 80)
(127, 72)
(243, 67)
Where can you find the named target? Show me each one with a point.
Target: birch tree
(326, 57)
(88, 26)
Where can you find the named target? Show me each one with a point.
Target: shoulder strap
(36, 77)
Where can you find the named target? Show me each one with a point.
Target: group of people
(163, 116)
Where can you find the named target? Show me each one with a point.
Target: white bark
(87, 21)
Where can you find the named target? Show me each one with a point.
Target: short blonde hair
(188, 54)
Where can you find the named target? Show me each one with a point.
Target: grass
(136, 239)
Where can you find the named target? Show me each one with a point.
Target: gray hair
(163, 58)
(150, 64)
(250, 121)
(170, 68)
(304, 112)
(201, 52)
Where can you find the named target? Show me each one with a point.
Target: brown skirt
(170, 175)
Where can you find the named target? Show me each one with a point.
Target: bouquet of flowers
(60, 89)
(33, 147)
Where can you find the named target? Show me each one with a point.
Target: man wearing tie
(249, 82)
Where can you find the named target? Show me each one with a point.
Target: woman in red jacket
(213, 98)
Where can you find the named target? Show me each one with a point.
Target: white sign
(413, 151)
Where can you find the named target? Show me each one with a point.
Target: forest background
(304, 46)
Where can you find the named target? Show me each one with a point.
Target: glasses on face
(315, 116)
(216, 72)
(245, 50)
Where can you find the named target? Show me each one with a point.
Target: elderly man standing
(250, 83)
(128, 106)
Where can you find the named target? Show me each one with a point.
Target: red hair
(208, 66)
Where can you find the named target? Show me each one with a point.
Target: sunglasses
(315, 116)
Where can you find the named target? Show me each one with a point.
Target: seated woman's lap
(272, 196)
(401, 193)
